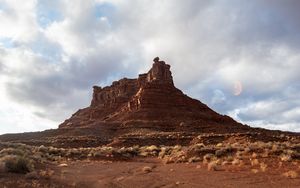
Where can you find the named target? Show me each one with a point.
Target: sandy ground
(131, 174)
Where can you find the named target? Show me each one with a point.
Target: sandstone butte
(152, 98)
(149, 104)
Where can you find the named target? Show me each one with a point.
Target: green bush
(18, 164)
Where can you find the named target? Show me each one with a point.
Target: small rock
(120, 178)
(147, 169)
(63, 165)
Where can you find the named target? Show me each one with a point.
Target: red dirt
(131, 174)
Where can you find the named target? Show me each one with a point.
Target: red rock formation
(150, 98)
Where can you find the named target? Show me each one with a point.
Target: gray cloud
(60, 88)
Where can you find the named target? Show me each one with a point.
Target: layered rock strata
(152, 100)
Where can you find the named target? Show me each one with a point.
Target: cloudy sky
(240, 57)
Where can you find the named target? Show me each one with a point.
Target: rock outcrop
(153, 101)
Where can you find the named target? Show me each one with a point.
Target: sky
(240, 57)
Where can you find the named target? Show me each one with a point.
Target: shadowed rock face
(150, 98)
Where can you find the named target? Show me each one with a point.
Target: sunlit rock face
(160, 72)
(152, 97)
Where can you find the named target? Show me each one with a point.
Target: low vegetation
(21, 158)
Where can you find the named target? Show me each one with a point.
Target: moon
(238, 88)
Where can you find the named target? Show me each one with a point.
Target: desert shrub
(12, 151)
(263, 166)
(152, 148)
(17, 164)
(291, 174)
(162, 153)
(254, 162)
(247, 150)
(133, 150)
(219, 145)
(236, 161)
(38, 157)
(239, 154)
(73, 152)
(194, 159)
(269, 145)
(196, 149)
(175, 156)
(295, 155)
(98, 154)
(285, 158)
(149, 151)
(213, 166)
(177, 148)
(129, 152)
(47, 174)
(220, 152)
(53, 151)
(208, 157)
(179, 156)
(229, 158)
(43, 149)
(199, 145)
(254, 155)
(106, 149)
(224, 151)
(276, 150)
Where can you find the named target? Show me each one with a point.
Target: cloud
(53, 52)
(18, 22)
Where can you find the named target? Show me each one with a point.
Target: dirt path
(131, 174)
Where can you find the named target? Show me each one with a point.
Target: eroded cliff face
(152, 97)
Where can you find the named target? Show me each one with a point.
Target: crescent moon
(238, 88)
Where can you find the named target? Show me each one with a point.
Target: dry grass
(47, 174)
(254, 155)
(235, 152)
(263, 166)
(194, 159)
(286, 158)
(254, 162)
(208, 158)
(213, 166)
(291, 174)
(236, 162)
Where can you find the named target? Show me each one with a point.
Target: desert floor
(150, 172)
